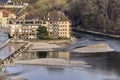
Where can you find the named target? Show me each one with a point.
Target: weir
(9, 59)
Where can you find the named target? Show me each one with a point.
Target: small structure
(5, 17)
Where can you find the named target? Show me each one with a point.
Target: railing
(13, 56)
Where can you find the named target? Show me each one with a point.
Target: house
(28, 27)
(5, 17)
(19, 31)
(16, 30)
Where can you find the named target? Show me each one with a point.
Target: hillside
(97, 15)
(43, 6)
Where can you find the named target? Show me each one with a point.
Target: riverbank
(47, 45)
(53, 62)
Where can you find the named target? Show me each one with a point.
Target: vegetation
(43, 6)
(42, 33)
(96, 15)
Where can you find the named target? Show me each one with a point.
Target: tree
(42, 32)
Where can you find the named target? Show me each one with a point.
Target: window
(13, 26)
(20, 30)
(50, 22)
(32, 26)
(13, 30)
(59, 18)
(36, 26)
(44, 22)
(48, 18)
(29, 26)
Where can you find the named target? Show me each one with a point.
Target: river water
(104, 66)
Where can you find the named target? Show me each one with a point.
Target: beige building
(58, 24)
(29, 32)
(27, 26)
(5, 17)
(19, 31)
(16, 30)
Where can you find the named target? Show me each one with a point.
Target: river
(104, 66)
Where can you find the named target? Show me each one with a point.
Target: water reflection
(104, 66)
(38, 55)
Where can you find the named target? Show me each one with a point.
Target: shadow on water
(104, 66)
(42, 54)
(102, 61)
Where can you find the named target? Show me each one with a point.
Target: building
(16, 30)
(27, 27)
(5, 17)
(58, 24)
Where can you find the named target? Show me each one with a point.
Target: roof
(56, 16)
(31, 17)
(51, 16)
(6, 13)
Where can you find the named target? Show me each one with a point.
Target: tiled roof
(56, 16)
(31, 17)
(51, 16)
(6, 13)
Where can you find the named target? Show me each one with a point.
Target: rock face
(97, 15)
